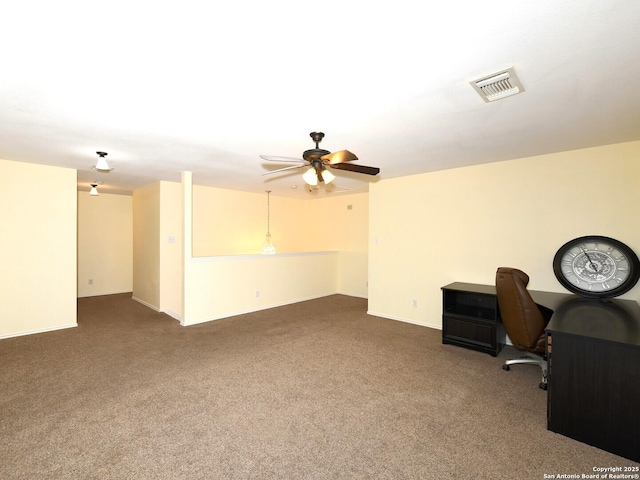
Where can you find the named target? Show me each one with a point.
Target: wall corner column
(187, 242)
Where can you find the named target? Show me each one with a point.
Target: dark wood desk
(593, 350)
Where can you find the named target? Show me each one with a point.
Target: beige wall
(345, 228)
(407, 238)
(105, 244)
(228, 275)
(224, 286)
(157, 247)
(38, 206)
(146, 245)
(229, 222)
(429, 230)
(170, 300)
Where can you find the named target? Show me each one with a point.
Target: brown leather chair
(523, 320)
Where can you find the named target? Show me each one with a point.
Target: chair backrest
(521, 317)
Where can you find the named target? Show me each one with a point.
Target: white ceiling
(207, 87)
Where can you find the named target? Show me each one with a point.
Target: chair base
(531, 359)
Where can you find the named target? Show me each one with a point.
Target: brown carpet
(314, 390)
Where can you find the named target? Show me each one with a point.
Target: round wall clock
(596, 267)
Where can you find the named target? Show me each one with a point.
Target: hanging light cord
(268, 212)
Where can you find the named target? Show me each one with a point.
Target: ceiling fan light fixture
(327, 176)
(318, 159)
(311, 177)
(94, 190)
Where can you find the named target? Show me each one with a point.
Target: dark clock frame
(624, 287)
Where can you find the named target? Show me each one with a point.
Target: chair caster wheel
(543, 385)
(506, 367)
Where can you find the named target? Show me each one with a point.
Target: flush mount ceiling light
(498, 85)
(94, 190)
(102, 165)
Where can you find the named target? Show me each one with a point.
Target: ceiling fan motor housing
(314, 154)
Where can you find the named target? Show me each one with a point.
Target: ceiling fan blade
(352, 167)
(283, 169)
(339, 157)
(276, 158)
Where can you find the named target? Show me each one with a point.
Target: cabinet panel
(466, 330)
(471, 319)
(593, 393)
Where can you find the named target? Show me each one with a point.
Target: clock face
(596, 266)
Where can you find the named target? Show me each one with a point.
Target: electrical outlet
(257, 293)
(91, 281)
(414, 303)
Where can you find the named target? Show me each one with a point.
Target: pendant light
(268, 248)
(94, 190)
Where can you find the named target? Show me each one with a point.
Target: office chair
(523, 320)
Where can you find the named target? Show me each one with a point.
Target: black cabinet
(471, 318)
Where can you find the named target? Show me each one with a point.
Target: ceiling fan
(318, 160)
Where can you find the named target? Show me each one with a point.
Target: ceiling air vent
(498, 85)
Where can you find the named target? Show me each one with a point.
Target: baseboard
(404, 320)
(104, 293)
(43, 330)
(146, 304)
(172, 314)
(178, 316)
(251, 310)
(356, 295)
